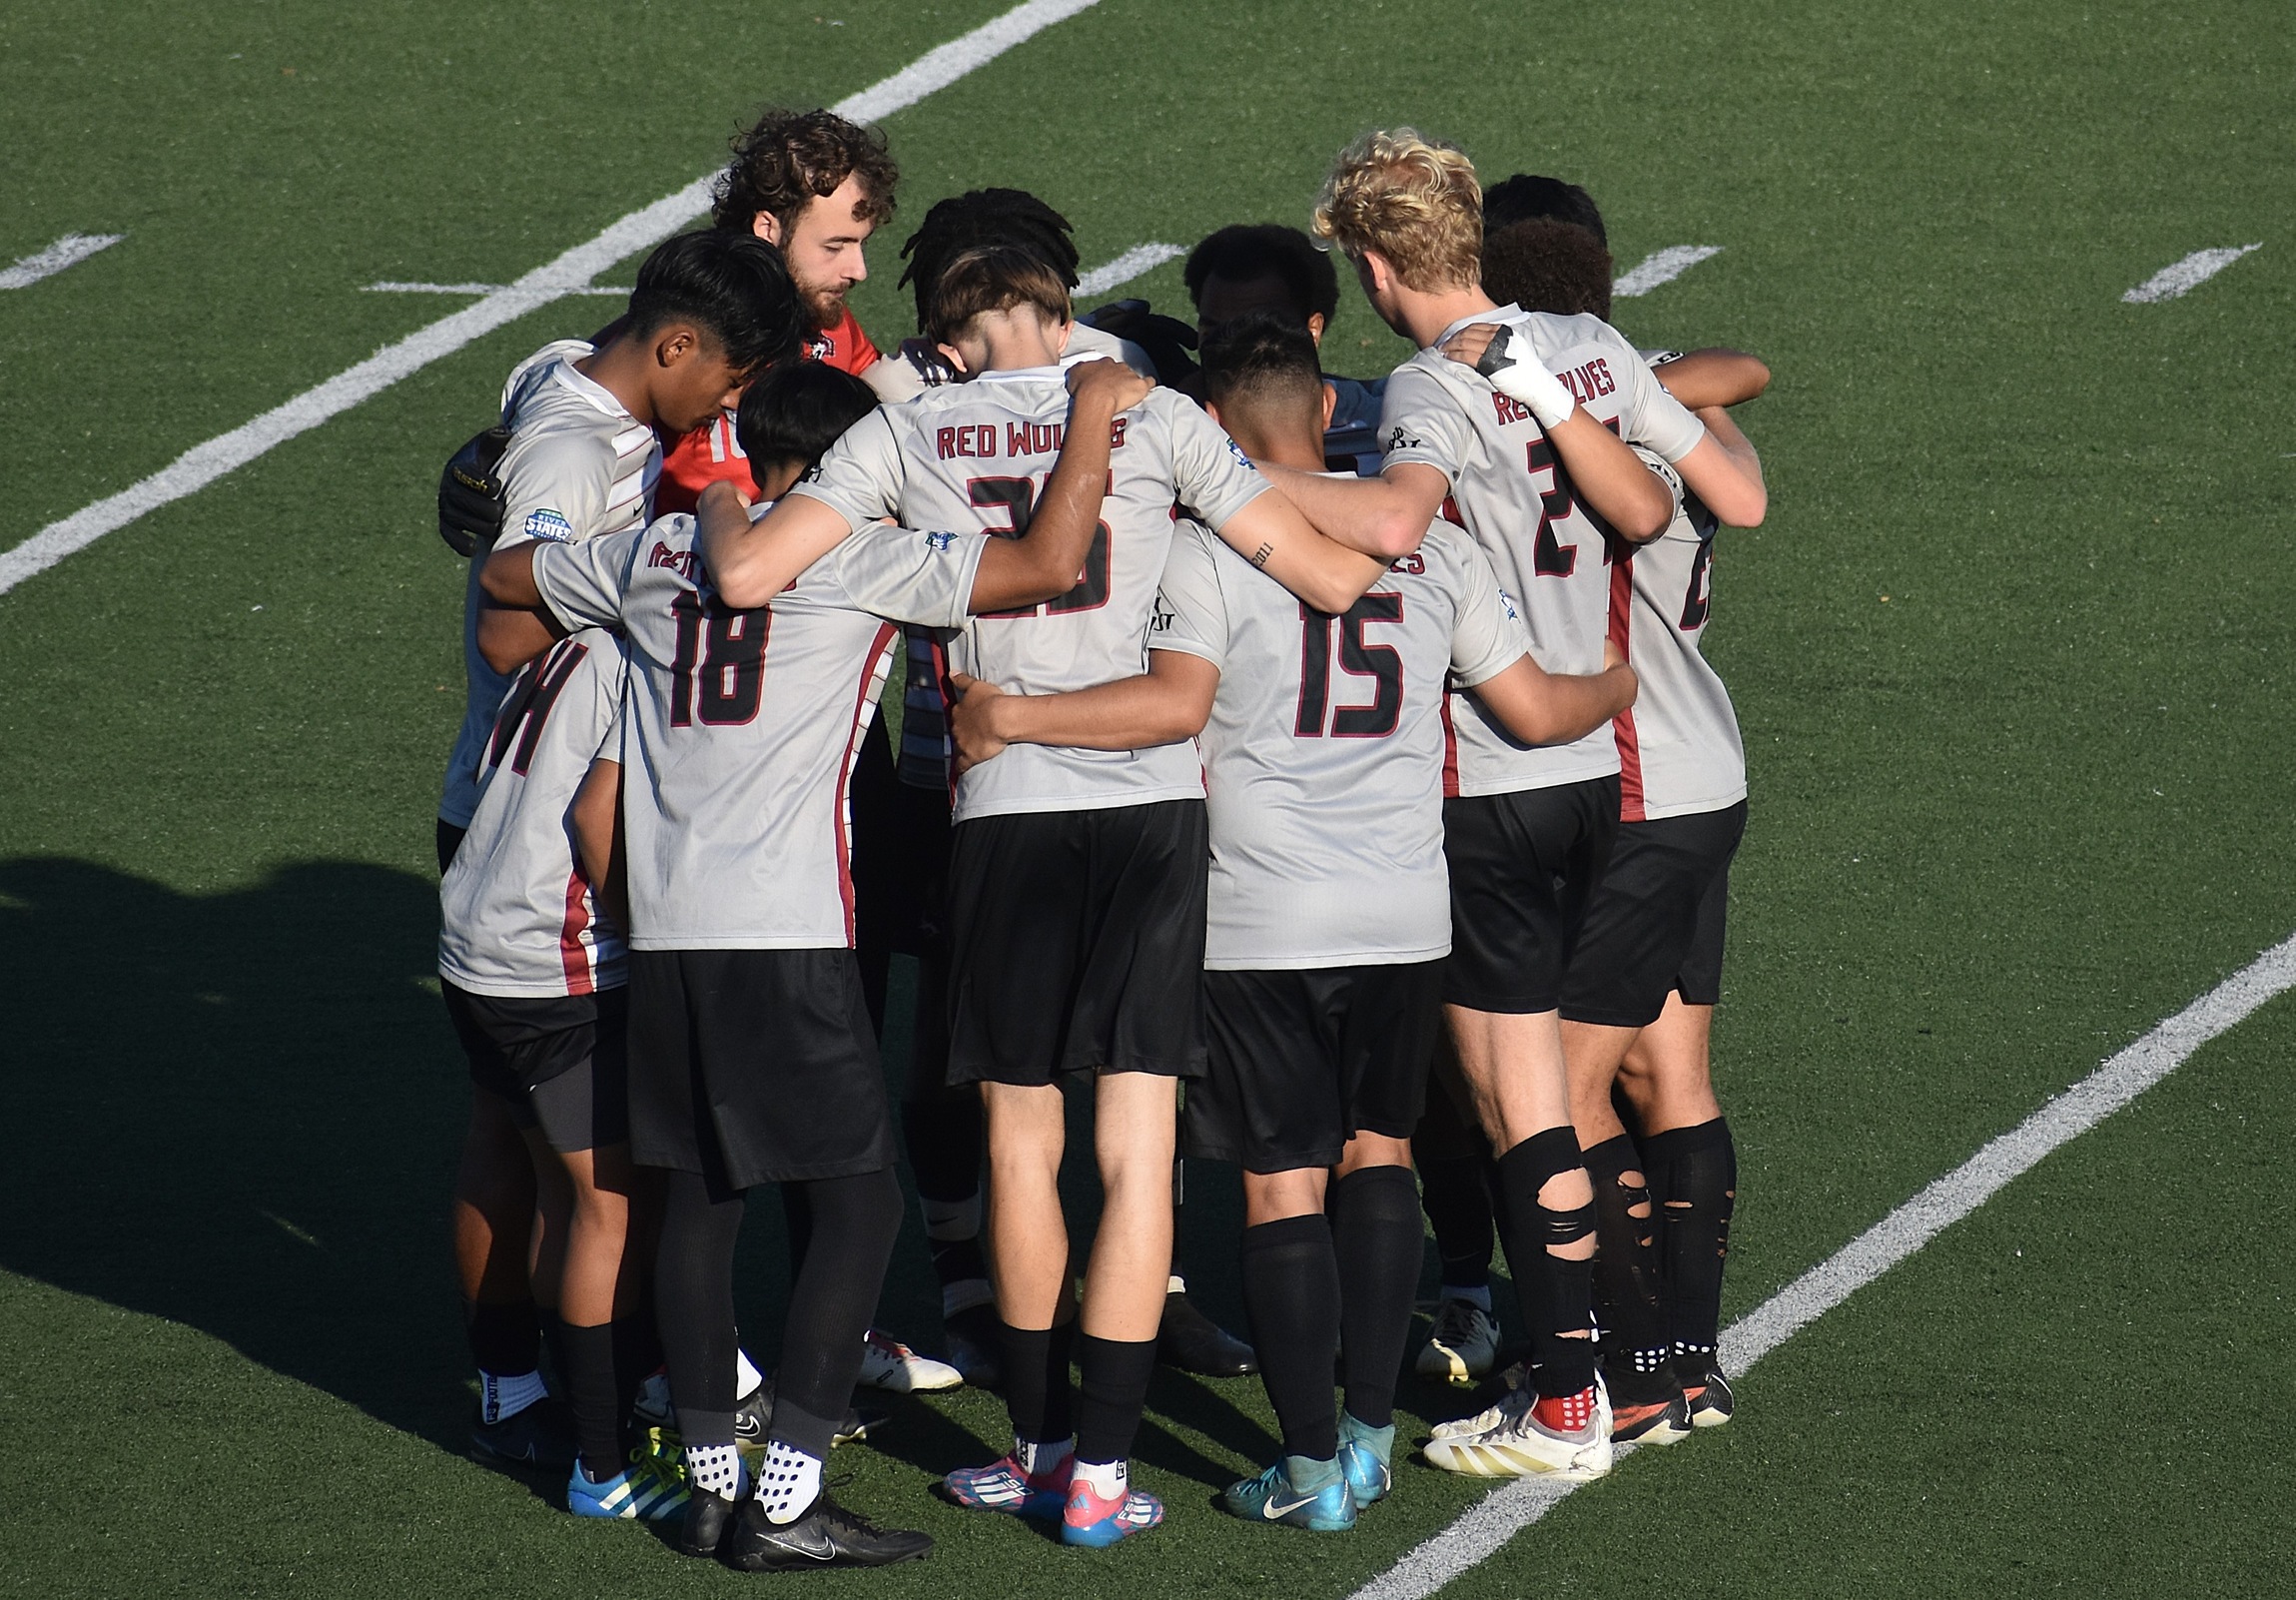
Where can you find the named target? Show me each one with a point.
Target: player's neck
(1300, 448)
(1018, 349)
(619, 366)
(1426, 313)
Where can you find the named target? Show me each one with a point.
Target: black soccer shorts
(1656, 923)
(754, 1067)
(558, 1062)
(1523, 867)
(1301, 1061)
(1077, 943)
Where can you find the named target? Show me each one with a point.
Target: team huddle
(1321, 773)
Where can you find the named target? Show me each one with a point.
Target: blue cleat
(1272, 1498)
(1363, 1456)
(653, 1488)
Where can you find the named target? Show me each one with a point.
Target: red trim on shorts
(581, 977)
(1621, 633)
(873, 670)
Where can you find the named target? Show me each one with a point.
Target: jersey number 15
(1378, 662)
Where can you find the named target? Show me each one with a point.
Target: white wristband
(1516, 372)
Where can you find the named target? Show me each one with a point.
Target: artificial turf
(2011, 655)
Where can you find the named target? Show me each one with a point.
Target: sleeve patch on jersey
(940, 541)
(1398, 440)
(1237, 450)
(1507, 604)
(549, 524)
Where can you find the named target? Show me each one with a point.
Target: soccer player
(1329, 915)
(1481, 416)
(580, 464)
(751, 1058)
(1650, 948)
(814, 186)
(1076, 878)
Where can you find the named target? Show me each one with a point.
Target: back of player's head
(797, 410)
(1412, 199)
(992, 277)
(789, 157)
(733, 286)
(1249, 252)
(1526, 196)
(1548, 266)
(1263, 362)
(979, 218)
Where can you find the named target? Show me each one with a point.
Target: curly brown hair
(1548, 266)
(789, 157)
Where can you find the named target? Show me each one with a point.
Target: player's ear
(955, 360)
(767, 227)
(1212, 409)
(1330, 404)
(1315, 327)
(675, 345)
(1062, 332)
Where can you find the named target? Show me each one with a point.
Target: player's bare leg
(1692, 1167)
(494, 1227)
(1645, 1397)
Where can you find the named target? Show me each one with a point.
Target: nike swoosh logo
(815, 1548)
(1274, 1511)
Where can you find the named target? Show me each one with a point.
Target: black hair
(1526, 196)
(1247, 251)
(734, 286)
(1548, 266)
(797, 410)
(1259, 353)
(1011, 217)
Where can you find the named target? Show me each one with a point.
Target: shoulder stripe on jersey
(1630, 798)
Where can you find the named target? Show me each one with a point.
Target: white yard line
(68, 251)
(2187, 275)
(1137, 262)
(391, 287)
(1486, 1526)
(569, 274)
(1662, 267)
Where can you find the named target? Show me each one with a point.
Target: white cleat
(1462, 1345)
(888, 1364)
(1513, 1403)
(1521, 1446)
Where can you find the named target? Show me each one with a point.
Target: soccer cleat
(1513, 1396)
(1363, 1454)
(1003, 1486)
(653, 1488)
(1522, 1446)
(1194, 1342)
(753, 1420)
(1664, 1421)
(888, 1364)
(706, 1519)
(1094, 1523)
(827, 1536)
(542, 1435)
(1272, 1498)
(973, 1342)
(1709, 1398)
(1462, 1345)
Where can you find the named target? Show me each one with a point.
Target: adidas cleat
(1003, 1486)
(1522, 1446)
(1364, 1459)
(650, 1489)
(1709, 1400)
(888, 1364)
(827, 1536)
(1514, 1397)
(540, 1436)
(1462, 1345)
(1089, 1520)
(1272, 1498)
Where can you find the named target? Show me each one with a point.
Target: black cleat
(542, 1435)
(828, 1535)
(1707, 1395)
(1194, 1342)
(975, 1347)
(706, 1519)
(753, 1420)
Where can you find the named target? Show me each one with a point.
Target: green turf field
(2013, 656)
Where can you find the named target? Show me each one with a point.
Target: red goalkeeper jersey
(711, 451)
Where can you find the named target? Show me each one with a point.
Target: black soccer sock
(1039, 1393)
(506, 1336)
(693, 1299)
(856, 1221)
(1452, 1158)
(1636, 1347)
(1113, 1383)
(1556, 1293)
(1376, 1235)
(637, 1352)
(1694, 1179)
(586, 1362)
(1291, 1299)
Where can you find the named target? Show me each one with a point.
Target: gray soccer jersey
(744, 726)
(578, 465)
(976, 455)
(1511, 495)
(518, 916)
(1325, 753)
(1678, 745)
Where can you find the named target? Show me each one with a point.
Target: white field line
(2187, 275)
(569, 274)
(1662, 267)
(68, 251)
(392, 288)
(1486, 1526)
(1133, 263)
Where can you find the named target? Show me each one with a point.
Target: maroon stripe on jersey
(1450, 752)
(572, 951)
(872, 673)
(1630, 802)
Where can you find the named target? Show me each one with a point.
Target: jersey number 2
(1017, 499)
(724, 650)
(1378, 662)
(1550, 556)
